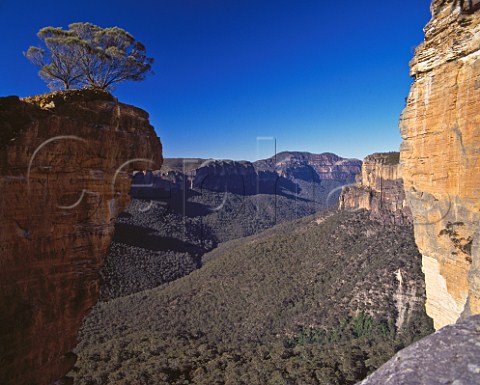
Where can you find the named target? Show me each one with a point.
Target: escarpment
(378, 189)
(64, 178)
(440, 158)
(297, 172)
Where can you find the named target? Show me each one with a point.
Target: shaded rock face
(63, 181)
(236, 177)
(440, 158)
(379, 189)
(450, 356)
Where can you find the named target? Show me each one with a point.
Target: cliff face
(379, 189)
(440, 158)
(64, 179)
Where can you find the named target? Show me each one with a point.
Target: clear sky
(316, 75)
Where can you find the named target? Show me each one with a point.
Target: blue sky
(316, 75)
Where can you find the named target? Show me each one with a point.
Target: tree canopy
(86, 55)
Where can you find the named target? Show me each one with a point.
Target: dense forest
(314, 301)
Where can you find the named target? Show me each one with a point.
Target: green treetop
(86, 55)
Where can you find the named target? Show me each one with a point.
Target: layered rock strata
(378, 189)
(440, 158)
(64, 178)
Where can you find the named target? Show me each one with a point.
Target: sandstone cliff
(379, 189)
(440, 158)
(64, 162)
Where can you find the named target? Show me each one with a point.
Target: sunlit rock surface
(379, 189)
(440, 158)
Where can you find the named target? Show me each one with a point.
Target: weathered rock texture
(440, 158)
(379, 189)
(450, 356)
(63, 181)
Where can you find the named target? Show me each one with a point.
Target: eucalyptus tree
(58, 61)
(86, 55)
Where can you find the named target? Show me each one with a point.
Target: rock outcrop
(64, 163)
(440, 158)
(378, 189)
(449, 356)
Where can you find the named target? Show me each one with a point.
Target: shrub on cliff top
(391, 158)
(62, 97)
(89, 56)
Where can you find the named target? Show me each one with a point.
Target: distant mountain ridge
(318, 161)
(175, 164)
(278, 173)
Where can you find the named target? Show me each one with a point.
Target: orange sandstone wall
(379, 189)
(440, 158)
(64, 163)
